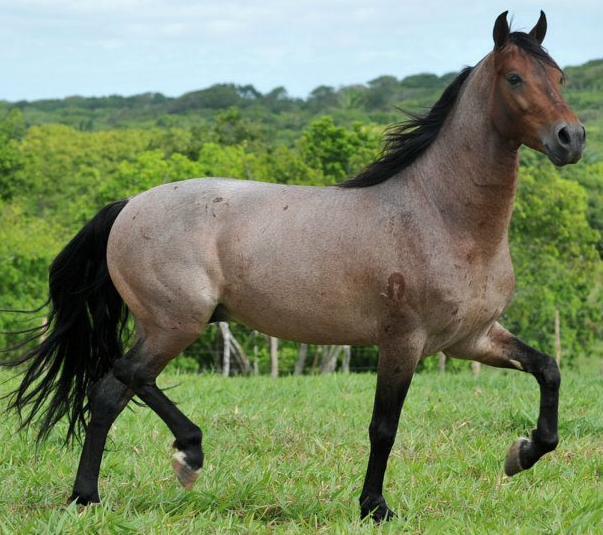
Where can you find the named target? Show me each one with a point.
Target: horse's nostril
(564, 136)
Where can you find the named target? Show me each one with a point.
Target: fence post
(256, 366)
(347, 357)
(274, 356)
(441, 362)
(226, 353)
(557, 338)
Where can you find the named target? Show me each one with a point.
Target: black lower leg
(389, 398)
(107, 399)
(136, 370)
(544, 368)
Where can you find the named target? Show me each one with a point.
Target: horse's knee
(550, 376)
(122, 370)
(132, 373)
(382, 434)
(107, 398)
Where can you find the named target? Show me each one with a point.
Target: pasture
(289, 455)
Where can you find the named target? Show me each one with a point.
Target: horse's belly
(317, 317)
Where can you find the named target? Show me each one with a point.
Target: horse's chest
(486, 296)
(469, 298)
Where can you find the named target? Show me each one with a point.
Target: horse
(410, 255)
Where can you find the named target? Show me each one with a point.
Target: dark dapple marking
(317, 276)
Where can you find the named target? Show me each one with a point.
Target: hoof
(513, 460)
(84, 499)
(185, 474)
(377, 510)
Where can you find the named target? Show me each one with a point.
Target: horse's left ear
(539, 31)
(501, 30)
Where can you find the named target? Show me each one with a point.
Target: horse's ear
(501, 30)
(539, 31)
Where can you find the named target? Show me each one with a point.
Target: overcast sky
(56, 48)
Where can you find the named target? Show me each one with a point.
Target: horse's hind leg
(138, 369)
(107, 399)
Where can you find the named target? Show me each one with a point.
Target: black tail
(84, 332)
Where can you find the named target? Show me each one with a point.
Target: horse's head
(527, 105)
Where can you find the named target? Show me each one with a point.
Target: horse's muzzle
(565, 142)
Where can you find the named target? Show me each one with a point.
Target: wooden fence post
(441, 362)
(347, 357)
(274, 356)
(256, 365)
(557, 338)
(226, 352)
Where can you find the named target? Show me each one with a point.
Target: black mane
(406, 141)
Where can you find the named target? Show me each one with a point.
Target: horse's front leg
(501, 349)
(396, 367)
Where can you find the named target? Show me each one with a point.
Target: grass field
(288, 456)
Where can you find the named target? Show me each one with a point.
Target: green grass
(288, 456)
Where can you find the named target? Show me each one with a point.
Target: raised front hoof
(84, 498)
(185, 474)
(513, 461)
(377, 509)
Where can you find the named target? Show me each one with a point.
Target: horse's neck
(470, 172)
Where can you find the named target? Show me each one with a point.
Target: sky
(59, 48)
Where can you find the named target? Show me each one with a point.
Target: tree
(322, 98)
(12, 129)
(231, 128)
(335, 150)
(556, 263)
(382, 92)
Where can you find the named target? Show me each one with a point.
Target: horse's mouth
(560, 156)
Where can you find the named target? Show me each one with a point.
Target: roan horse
(412, 255)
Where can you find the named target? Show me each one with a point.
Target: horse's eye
(514, 79)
